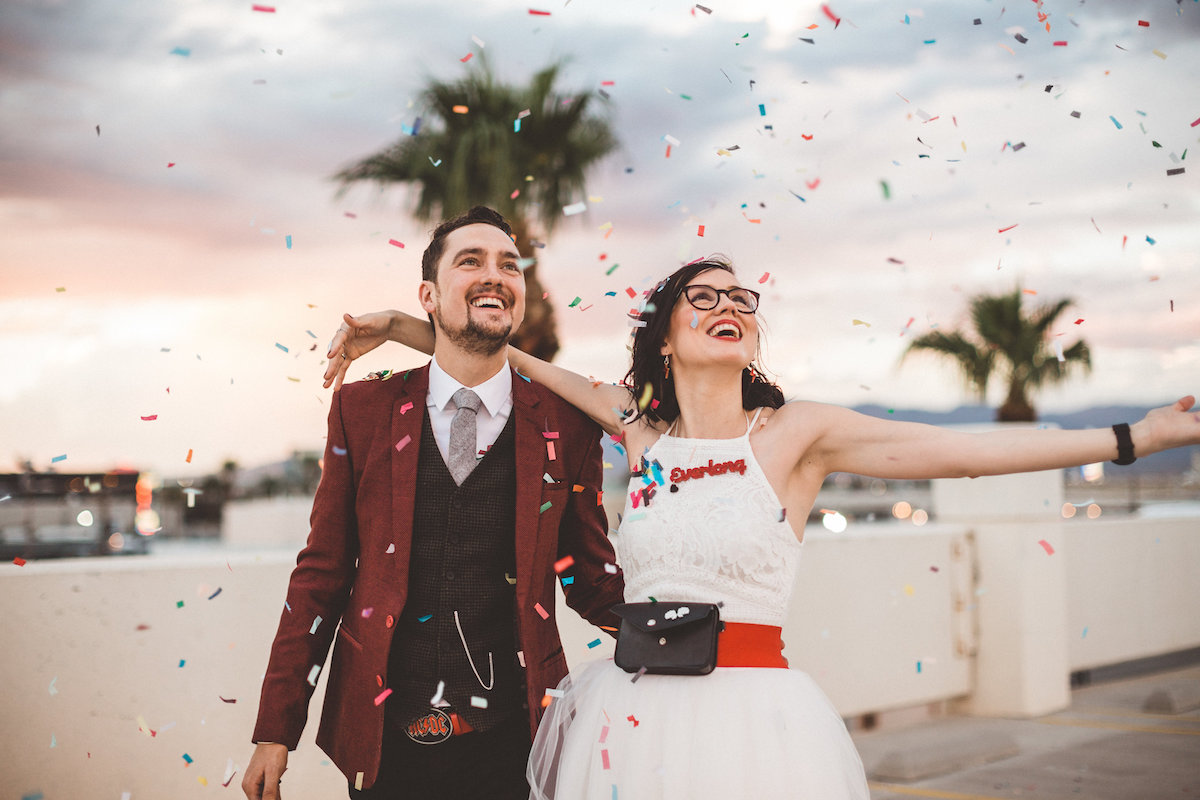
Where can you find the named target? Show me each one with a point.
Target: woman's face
(726, 334)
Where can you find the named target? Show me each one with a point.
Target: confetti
(541, 611)
(391, 548)
(395, 243)
(700, 231)
(564, 563)
(217, 592)
(281, 347)
(545, 506)
(1046, 546)
(150, 418)
(762, 109)
(533, 12)
(288, 238)
(604, 759)
(176, 51)
(550, 451)
(593, 644)
(316, 623)
(379, 698)
(437, 696)
(189, 456)
(574, 208)
(229, 700)
(313, 673)
(479, 702)
(1114, 122)
(400, 445)
(57, 459)
(1009, 228)
(187, 758)
(264, 9)
(425, 618)
(404, 409)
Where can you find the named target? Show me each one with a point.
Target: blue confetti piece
(1151, 241)
(1084, 632)
(593, 643)
(567, 581)
(281, 347)
(695, 320)
(1114, 121)
(762, 109)
(519, 375)
(181, 51)
(57, 459)
(425, 618)
(182, 661)
(289, 241)
(187, 758)
(339, 451)
(931, 41)
(214, 594)
(517, 125)
(918, 667)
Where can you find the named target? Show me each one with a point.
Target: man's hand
(355, 337)
(267, 765)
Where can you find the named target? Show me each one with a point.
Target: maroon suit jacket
(354, 569)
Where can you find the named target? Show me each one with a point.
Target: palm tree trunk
(538, 334)
(1017, 407)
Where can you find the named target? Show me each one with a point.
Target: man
(441, 517)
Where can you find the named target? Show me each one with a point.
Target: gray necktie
(462, 448)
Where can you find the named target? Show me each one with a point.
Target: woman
(724, 475)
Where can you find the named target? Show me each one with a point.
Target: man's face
(478, 299)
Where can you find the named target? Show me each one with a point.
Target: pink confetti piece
(379, 698)
(550, 434)
(1060, 44)
(604, 759)
(603, 734)
(541, 611)
(395, 243)
(563, 563)
(533, 12)
(550, 451)
(263, 9)
(829, 13)
(1009, 228)
(150, 418)
(404, 409)
(400, 445)
(1143, 23)
(1197, 122)
(1046, 546)
(765, 277)
(466, 58)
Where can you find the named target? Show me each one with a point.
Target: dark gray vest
(463, 546)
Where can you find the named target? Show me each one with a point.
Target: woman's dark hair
(647, 366)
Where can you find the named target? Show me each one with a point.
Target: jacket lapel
(530, 466)
(408, 413)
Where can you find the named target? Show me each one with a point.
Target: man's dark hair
(433, 253)
(647, 366)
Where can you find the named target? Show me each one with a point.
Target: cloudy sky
(155, 157)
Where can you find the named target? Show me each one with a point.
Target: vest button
(390, 621)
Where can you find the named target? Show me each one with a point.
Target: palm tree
(1007, 342)
(526, 167)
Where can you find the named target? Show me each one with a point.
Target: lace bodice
(720, 537)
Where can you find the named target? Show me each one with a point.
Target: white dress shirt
(495, 394)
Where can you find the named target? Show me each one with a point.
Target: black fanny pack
(668, 637)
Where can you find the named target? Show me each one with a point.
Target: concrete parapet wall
(883, 616)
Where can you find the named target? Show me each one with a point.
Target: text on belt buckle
(433, 727)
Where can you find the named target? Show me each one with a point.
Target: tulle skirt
(735, 733)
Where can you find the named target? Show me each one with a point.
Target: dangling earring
(666, 367)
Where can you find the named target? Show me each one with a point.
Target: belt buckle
(433, 727)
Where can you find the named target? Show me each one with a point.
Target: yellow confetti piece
(860, 322)
(647, 394)
(203, 781)
(1160, 54)
(909, 590)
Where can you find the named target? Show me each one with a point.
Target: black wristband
(1125, 454)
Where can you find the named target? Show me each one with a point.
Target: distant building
(62, 515)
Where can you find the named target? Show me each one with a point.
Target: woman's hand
(1176, 425)
(355, 337)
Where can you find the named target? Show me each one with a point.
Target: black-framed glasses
(704, 297)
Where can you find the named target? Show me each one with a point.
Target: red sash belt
(744, 644)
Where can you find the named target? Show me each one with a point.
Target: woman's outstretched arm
(850, 442)
(605, 403)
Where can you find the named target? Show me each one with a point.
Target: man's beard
(474, 338)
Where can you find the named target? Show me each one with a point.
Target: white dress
(739, 732)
